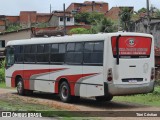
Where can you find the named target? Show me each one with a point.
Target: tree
(142, 10)
(157, 13)
(79, 31)
(125, 17)
(81, 17)
(95, 16)
(103, 25)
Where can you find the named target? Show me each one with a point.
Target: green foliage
(79, 31)
(103, 25)
(157, 13)
(95, 16)
(2, 71)
(142, 10)
(11, 28)
(40, 25)
(81, 17)
(125, 17)
(88, 18)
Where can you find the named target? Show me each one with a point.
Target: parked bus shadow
(89, 102)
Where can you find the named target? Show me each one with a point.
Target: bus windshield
(132, 46)
(9, 57)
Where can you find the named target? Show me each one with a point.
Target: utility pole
(148, 18)
(50, 8)
(93, 2)
(64, 18)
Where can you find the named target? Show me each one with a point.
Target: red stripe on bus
(72, 79)
(26, 74)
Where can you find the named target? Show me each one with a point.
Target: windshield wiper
(117, 49)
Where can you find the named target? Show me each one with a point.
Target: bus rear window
(132, 47)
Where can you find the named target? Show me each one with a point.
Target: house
(88, 6)
(141, 26)
(57, 19)
(14, 35)
(2, 23)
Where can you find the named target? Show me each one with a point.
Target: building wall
(43, 18)
(27, 18)
(25, 34)
(2, 25)
(54, 21)
(12, 19)
(87, 7)
(113, 13)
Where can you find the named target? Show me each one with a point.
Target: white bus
(97, 65)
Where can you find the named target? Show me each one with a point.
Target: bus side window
(74, 54)
(93, 53)
(58, 53)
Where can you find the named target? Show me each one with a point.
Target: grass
(2, 85)
(151, 99)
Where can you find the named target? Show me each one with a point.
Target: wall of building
(101, 7)
(54, 21)
(113, 13)
(25, 34)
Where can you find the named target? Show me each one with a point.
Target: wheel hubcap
(64, 92)
(19, 87)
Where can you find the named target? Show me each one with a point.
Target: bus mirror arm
(117, 49)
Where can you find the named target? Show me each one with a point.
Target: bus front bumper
(128, 89)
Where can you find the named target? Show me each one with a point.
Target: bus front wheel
(104, 98)
(20, 87)
(64, 93)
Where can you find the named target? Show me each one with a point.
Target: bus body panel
(87, 80)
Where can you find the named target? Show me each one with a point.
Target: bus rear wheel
(104, 98)
(65, 94)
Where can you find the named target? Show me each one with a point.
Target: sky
(13, 7)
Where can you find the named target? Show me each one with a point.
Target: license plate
(132, 81)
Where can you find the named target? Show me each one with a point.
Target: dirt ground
(83, 105)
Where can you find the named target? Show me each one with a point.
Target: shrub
(79, 31)
(2, 71)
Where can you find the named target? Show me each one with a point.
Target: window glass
(33, 49)
(46, 48)
(40, 48)
(10, 57)
(79, 47)
(27, 48)
(93, 53)
(70, 47)
(54, 48)
(98, 46)
(62, 48)
(88, 47)
(17, 49)
(68, 19)
(61, 18)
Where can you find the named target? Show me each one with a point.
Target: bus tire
(20, 87)
(65, 93)
(104, 98)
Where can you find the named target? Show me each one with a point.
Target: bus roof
(73, 38)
